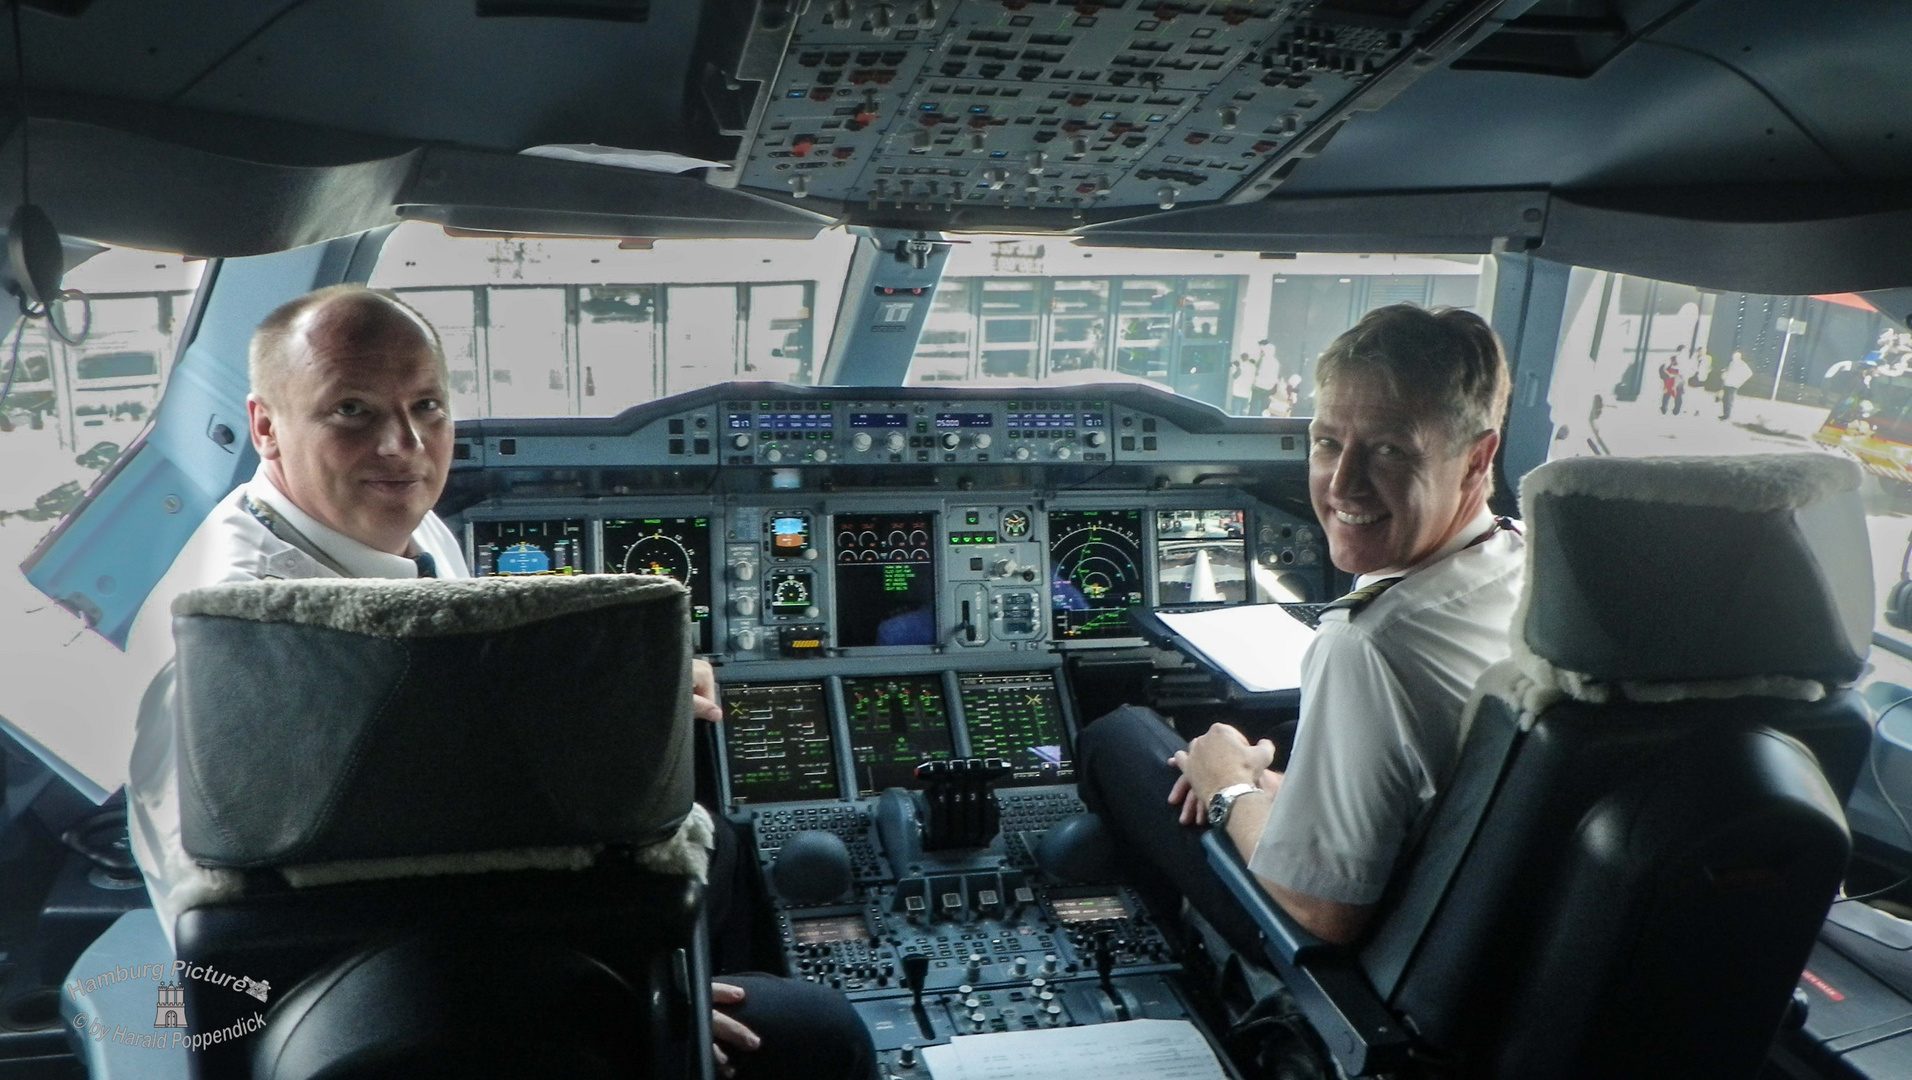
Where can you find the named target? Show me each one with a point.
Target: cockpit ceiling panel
(1051, 109)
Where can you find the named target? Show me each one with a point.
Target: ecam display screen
(885, 579)
(1018, 717)
(895, 725)
(777, 739)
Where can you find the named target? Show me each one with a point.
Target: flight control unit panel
(894, 585)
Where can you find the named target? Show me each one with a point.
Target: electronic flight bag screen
(1018, 717)
(885, 579)
(777, 742)
(896, 724)
(527, 548)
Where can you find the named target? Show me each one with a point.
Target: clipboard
(1286, 628)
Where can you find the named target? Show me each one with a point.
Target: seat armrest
(1280, 933)
(1328, 983)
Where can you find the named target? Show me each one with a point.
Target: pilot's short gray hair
(267, 358)
(1445, 363)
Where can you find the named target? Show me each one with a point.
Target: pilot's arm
(1224, 757)
(703, 691)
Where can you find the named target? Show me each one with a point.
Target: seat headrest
(337, 720)
(1689, 570)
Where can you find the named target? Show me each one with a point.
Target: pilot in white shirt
(1409, 406)
(348, 415)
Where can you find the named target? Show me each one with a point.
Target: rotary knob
(1095, 438)
(773, 455)
(861, 440)
(743, 571)
(744, 604)
(740, 441)
(819, 454)
(951, 440)
(1023, 453)
(894, 440)
(1063, 452)
(744, 640)
(983, 440)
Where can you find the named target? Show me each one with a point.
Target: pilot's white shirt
(1381, 701)
(230, 545)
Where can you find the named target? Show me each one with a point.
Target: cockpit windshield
(577, 327)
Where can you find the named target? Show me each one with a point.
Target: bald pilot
(349, 413)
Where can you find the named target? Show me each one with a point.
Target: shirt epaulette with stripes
(1361, 597)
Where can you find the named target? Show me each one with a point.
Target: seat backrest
(388, 766)
(1643, 833)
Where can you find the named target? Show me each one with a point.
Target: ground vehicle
(1550, 137)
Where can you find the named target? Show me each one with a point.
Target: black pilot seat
(449, 823)
(1626, 872)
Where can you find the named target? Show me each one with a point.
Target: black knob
(222, 435)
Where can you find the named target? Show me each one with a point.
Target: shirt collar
(1469, 533)
(360, 560)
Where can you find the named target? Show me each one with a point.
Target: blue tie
(427, 566)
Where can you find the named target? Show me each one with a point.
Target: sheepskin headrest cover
(421, 607)
(1684, 569)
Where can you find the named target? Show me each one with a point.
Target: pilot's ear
(1480, 457)
(259, 423)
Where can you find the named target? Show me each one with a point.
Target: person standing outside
(1267, 377)
(1241, 385)
(1735, 376)
(1672, 386)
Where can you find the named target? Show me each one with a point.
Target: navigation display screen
(885, 579)
(527, 548)
(677, 547)
(895, 725)
(777, 741)
(1201, 557)
(1018, 717)
(1095, 558)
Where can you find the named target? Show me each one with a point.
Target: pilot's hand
(726, 1030)
(703, 694)
(1195, 811)
(1220, 758)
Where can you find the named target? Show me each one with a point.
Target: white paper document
(1131, 1050)
(1257, 645)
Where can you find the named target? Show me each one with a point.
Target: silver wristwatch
(1224, 801)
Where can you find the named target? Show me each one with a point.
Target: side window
(67, 410)
(1656, 368)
